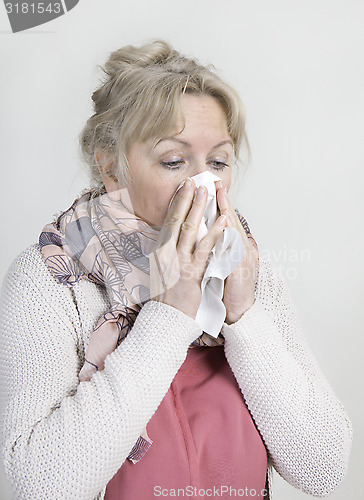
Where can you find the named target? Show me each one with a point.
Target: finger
(224, 204)
(185, 184)
(222, 201)
(227, 209)
(207, 243)
(179, 207)
(190, 226)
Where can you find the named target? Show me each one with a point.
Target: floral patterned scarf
(101, 240)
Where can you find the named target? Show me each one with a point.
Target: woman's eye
(172, 164)
(219, 165)
(176, 164)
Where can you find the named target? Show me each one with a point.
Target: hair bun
(148, 55)
(127, 58)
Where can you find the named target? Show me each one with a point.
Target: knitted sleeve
(304, 426)
(65, 439)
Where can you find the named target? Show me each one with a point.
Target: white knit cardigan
(62, 439)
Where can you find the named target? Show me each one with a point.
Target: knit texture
(63, 439)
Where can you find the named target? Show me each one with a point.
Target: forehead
(203, 110)
(203, 124)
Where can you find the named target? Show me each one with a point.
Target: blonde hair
(140, 99)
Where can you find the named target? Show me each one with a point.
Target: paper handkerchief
(226, 255)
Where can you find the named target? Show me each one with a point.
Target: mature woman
(146, 350)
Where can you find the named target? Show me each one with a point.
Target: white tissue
(226, 255)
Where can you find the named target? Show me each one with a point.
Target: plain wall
(298, 67)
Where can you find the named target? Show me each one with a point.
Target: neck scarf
(101, 240)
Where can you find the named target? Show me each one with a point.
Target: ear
(105, 162)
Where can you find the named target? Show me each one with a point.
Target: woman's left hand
(239, 289)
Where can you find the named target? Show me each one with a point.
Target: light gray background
(299, 69)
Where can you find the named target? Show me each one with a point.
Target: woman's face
(157, 170)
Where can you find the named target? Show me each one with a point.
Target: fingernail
(201, 191)
(188, 182)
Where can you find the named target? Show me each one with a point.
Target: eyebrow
(228, 141)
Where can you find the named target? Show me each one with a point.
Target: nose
(199, 166)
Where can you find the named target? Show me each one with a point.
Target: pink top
(203, 436)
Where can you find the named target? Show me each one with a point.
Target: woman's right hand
(177, 265)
